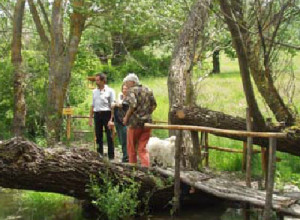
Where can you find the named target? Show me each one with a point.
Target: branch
(45, 15)
(76, 28)
(38, 24)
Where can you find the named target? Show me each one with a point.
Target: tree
(255, 41)
(180, 72)
(62, 54)
(19, 74)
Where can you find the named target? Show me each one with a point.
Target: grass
(16, 204)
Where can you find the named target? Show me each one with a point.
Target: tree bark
(119, 51)
(19, 75)
(193, 115)
(24, 165)
(38, 24)
(62, 57)
(180, 84)
(216, 61)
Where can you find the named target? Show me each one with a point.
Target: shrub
(115, 200)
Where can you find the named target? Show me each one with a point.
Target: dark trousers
(101, 119)
(122, 135)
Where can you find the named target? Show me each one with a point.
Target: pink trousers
(138, 137)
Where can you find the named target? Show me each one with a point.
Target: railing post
(178, 146)
(270, 182)
(244, 160)
(206, 149)
(196, 157)
(68, 128)
(249, 149)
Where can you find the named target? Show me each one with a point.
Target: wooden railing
(272, 136)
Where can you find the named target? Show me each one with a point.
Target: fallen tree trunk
(194, 115)
(24, 165)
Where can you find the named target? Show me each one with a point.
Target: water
(48, 207)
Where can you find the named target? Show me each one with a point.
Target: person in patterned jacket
(141, 106)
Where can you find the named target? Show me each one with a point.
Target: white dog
(162, 152)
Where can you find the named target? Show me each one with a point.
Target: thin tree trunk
(38, 24)
(118, 48)
(265, 84)
(232, 13)
(19, 75)
(216, 61)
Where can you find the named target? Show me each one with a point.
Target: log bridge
(225, 188)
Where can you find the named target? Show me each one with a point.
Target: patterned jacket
(141, 99)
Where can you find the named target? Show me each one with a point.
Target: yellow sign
(67, 111)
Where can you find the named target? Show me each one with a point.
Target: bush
(115, 201)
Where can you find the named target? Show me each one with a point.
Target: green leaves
(115, 200)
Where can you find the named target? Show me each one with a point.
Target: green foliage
(115, 200)
(6, 97)
(36, 66)
(139, 62)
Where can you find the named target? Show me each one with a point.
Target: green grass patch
(37, 205)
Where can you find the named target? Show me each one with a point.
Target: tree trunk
(23, 165)
(239, 39)
(118, 48)
(19, 75)
(185, 115)
(265, 84)
(62, 57)
(249, 49)
(180, 73)
(216, 61)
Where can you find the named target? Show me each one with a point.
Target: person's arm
(91, 116)
(127, 116)
(153, 103)
(132, 102)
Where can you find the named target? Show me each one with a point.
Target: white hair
(131, 77)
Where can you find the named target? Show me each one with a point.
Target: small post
(206, 149)
(68, 111)
(196, 157)
(201, 147)
(264, 160)
(271, 175)
(244, 160)
(68, 127)
(178, 145)
(249, 149)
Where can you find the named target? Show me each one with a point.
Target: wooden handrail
(218, 131)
